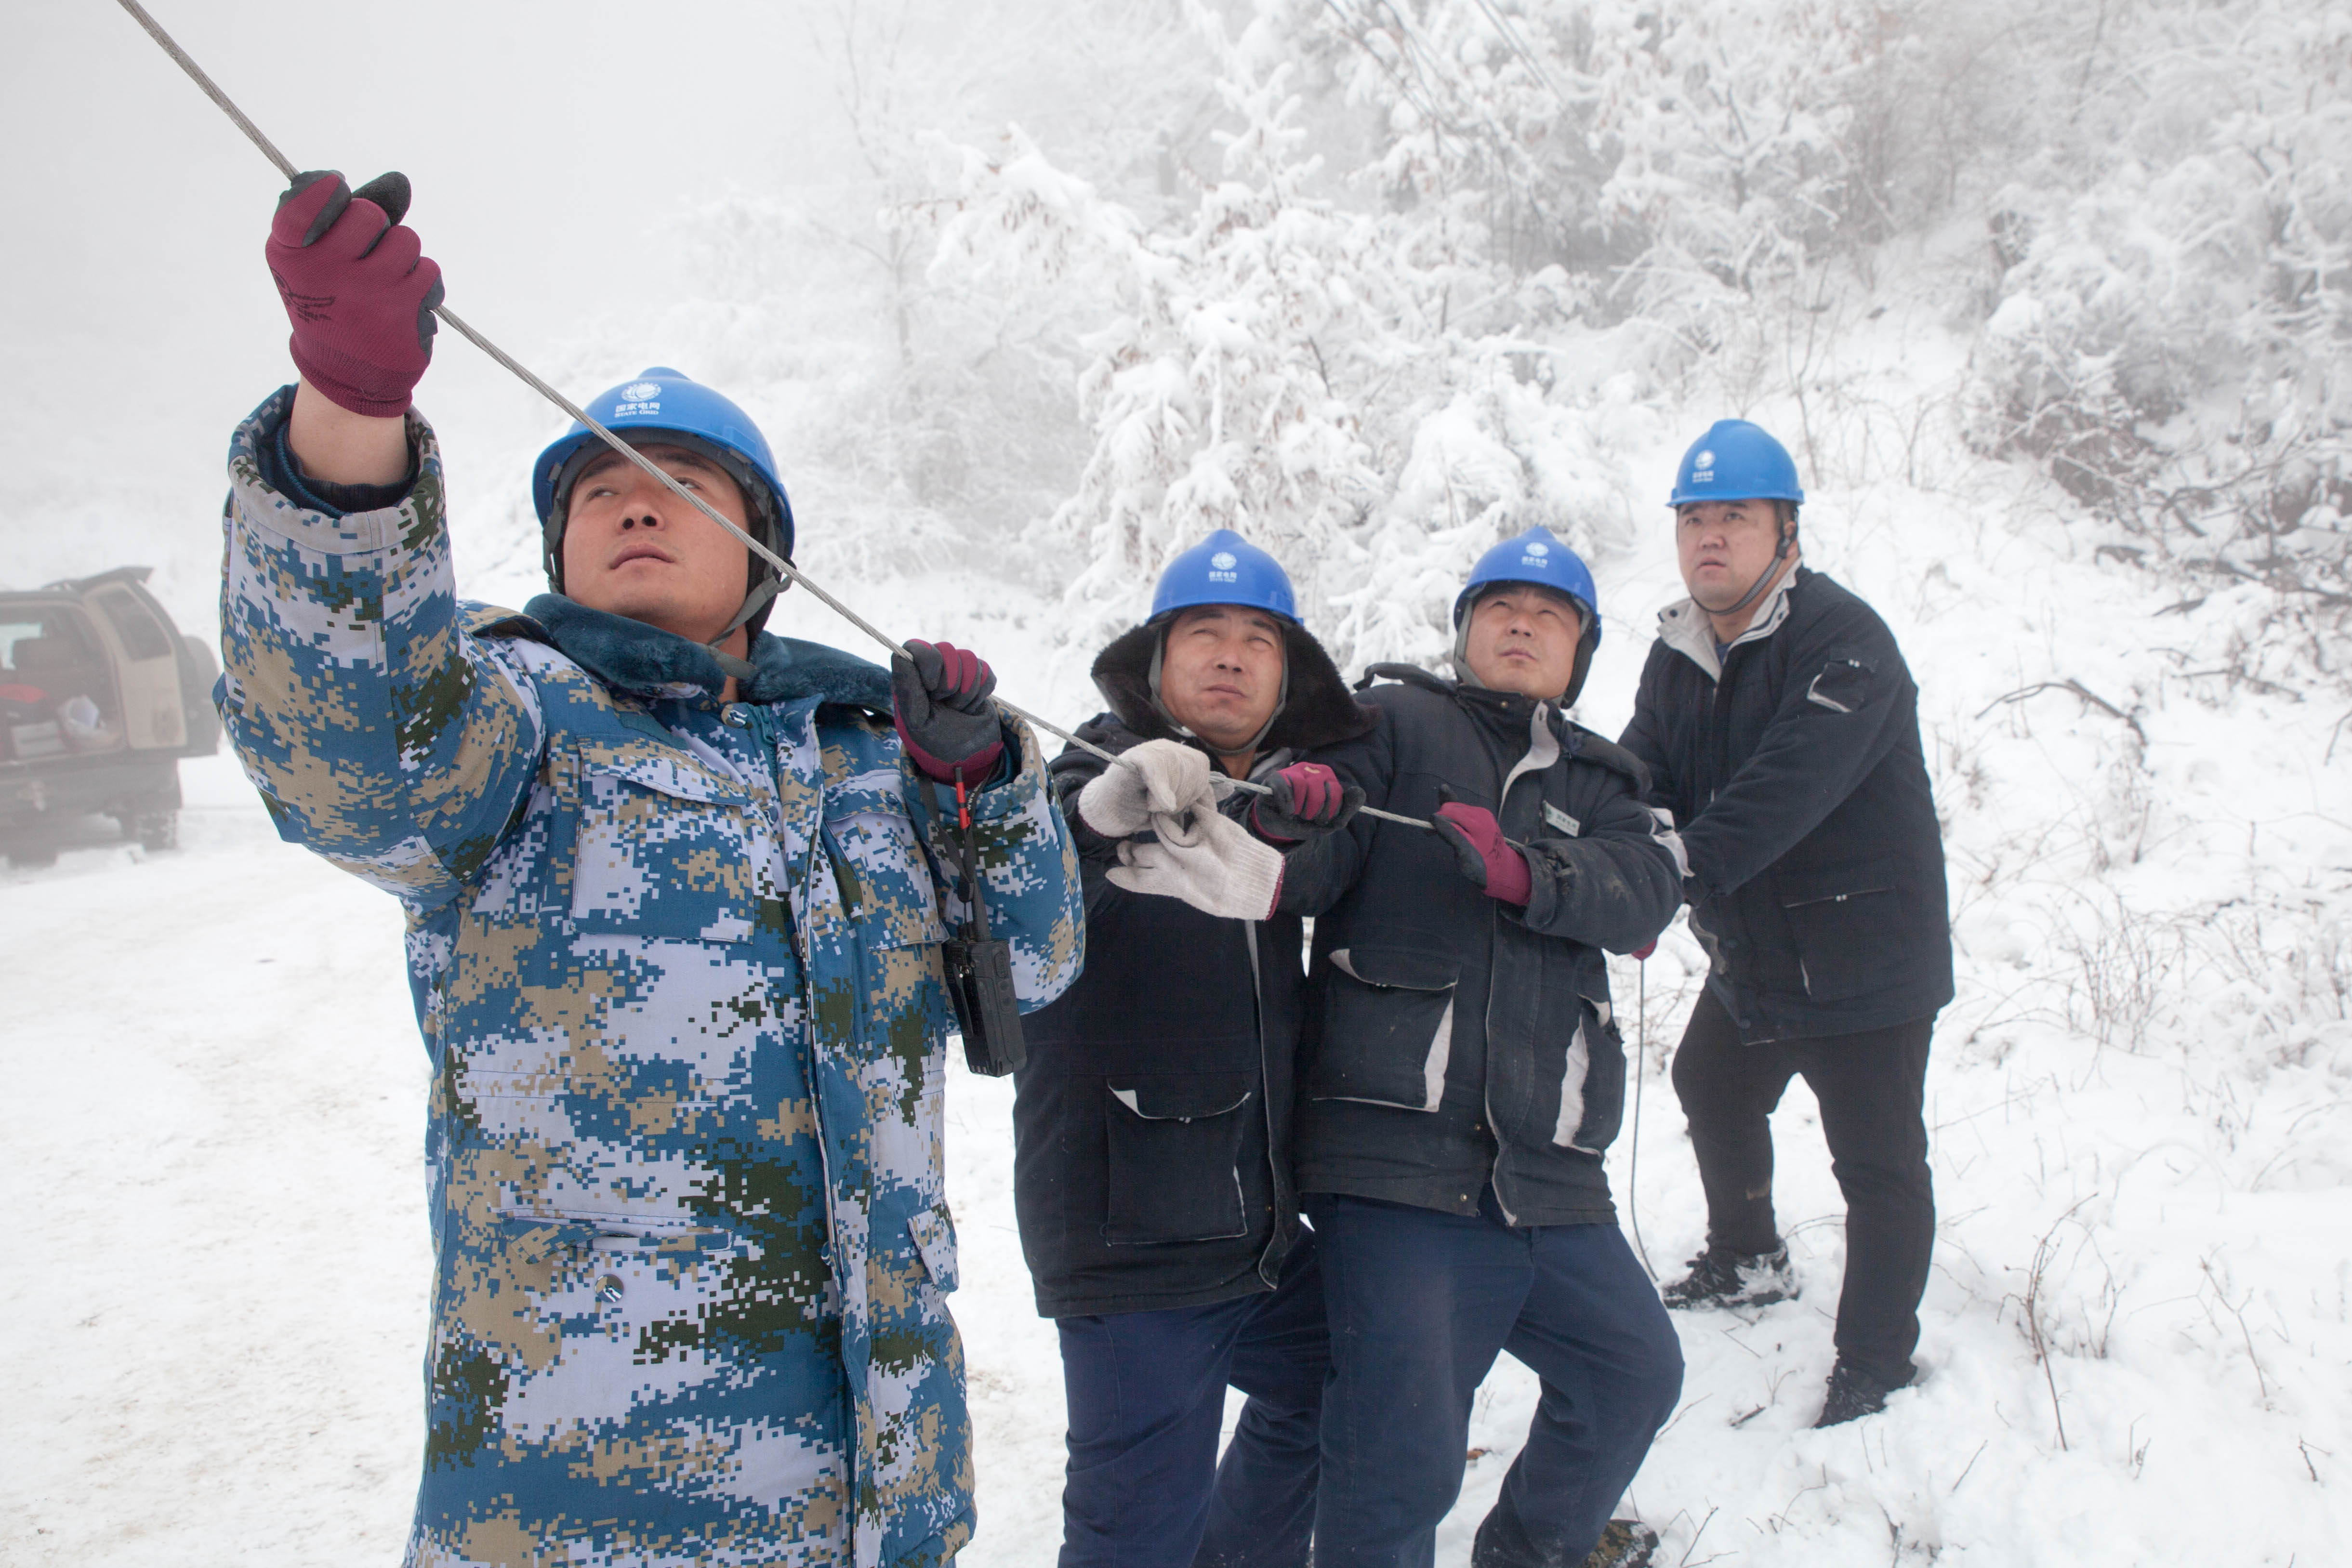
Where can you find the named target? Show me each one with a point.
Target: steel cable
(792, 573)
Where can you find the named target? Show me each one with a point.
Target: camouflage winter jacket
(675, 965)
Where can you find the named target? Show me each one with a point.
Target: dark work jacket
(1816, 861)
(1152, 1122)
(1453, 1039)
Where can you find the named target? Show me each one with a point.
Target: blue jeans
(1147, 1398)
(1420, 1302)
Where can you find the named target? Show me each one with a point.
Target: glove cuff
(1257, 880)
(1507, 877)
(338, 391)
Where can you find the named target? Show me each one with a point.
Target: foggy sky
(546, 143)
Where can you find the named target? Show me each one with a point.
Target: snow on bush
(2172, 324)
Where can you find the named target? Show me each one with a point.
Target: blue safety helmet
(1735, 461)
(1224, 569)
(1535, 556)
(676, 406)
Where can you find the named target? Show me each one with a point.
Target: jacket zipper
(1537, 725)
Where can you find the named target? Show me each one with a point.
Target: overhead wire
(285, 166)
(1518, 47)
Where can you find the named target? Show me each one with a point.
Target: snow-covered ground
(215, 1098)
(2138, 1333)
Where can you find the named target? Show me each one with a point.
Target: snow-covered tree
(1321, 378)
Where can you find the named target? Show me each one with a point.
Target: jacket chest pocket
(663, 846)
(1386, 1029)
(1174, 1142)
(1841, 919)
(880, 865)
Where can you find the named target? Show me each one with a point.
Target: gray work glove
(1204, 858)
(1159, 777)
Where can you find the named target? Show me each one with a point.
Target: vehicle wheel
(157, 830)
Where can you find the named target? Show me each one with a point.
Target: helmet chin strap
(1763, 579)
(754, 602)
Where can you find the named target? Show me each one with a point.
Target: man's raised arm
(379, 734)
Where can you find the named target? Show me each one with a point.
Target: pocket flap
(1182, 1096)
(935, 1238)
(678, 774)
(1405, 968)
(879, 790)
(1824, 882)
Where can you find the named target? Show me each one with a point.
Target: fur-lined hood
(1320, 711)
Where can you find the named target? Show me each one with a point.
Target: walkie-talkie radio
(979, 971)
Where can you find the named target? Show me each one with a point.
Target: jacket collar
(1684, 628)
(631, 656)
(1320, 711)
(1512, 714)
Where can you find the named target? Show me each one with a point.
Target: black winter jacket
(1452, 1040)
(1152, 1121)
(1816, 861)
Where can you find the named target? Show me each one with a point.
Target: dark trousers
(1871, 1088)
(1147, 1398)
(1421, 1301)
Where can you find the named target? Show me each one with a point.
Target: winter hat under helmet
(1539, 558)
(1224, 569)
(682, 412)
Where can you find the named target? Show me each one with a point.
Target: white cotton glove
(1206, 859)
(1157, 779)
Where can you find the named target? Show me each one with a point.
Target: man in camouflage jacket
(674, 931)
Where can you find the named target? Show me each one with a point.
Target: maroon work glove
(358, 289)
(1482, 853)
(939, 698)
(1309, 801)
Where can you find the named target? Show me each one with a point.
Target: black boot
(1854, 1393)
(1502, 1542)
(1721, 1278)
(1625, 1543)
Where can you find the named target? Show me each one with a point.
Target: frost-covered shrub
(1673, 162)
(2174, 316)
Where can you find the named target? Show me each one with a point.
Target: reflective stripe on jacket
(1453, 1039)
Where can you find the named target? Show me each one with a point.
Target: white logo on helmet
(1537, 548)
(638, 392)
(1225, 560)
(1702, 469)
